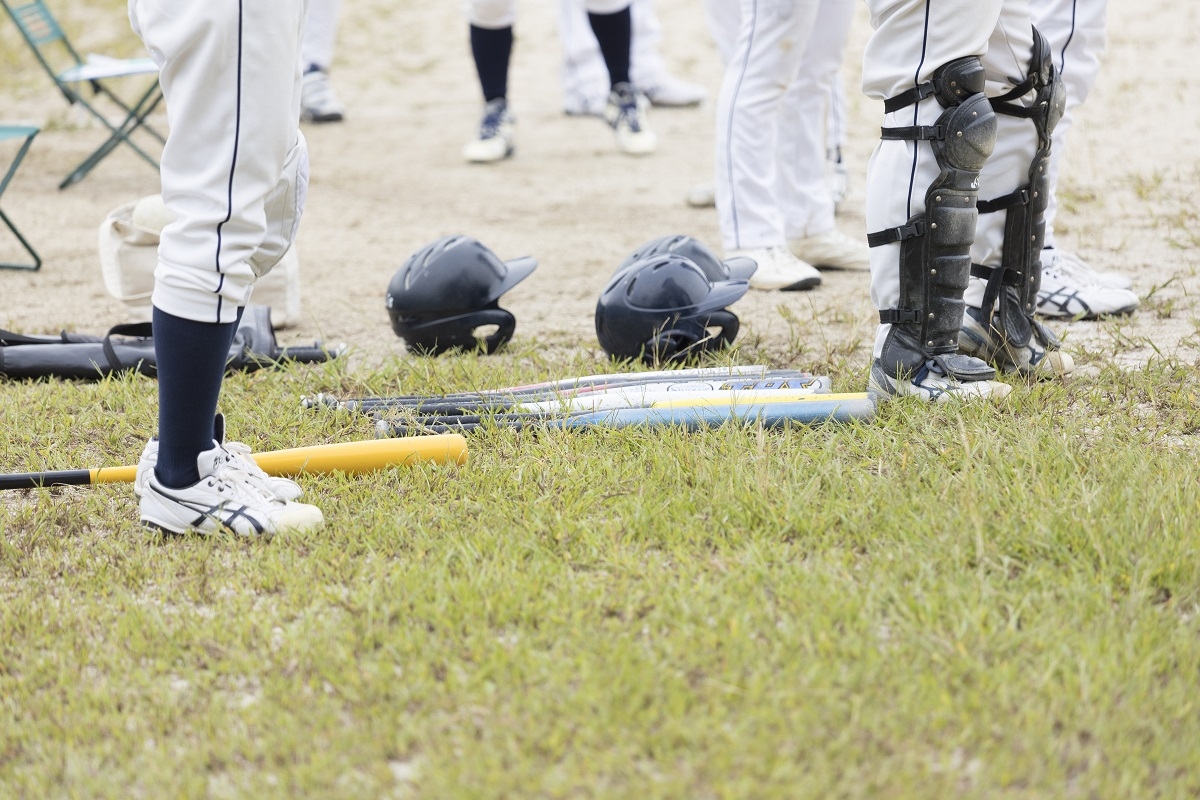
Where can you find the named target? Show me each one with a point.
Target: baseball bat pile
(689, 398)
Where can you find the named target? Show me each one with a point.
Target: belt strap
(895, 316)
(908, 231)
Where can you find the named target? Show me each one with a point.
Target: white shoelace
(239, 468)
(1072, 267)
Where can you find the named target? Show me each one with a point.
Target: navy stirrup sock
(191, 365)
(491, 49)
(613, 32)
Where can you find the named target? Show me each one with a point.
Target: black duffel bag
(127, 348)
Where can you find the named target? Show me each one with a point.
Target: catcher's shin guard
(935, 245)
(1012, 288)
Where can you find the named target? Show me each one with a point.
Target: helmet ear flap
(671, 344)
(458, 333)
(677, 344)
(728, 322)
(504, 320)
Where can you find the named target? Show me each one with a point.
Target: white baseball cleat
(225, 498)
(702, 196)
(671, 92)
(1113, 280)
(932, 385)
(318, 102)
(667, 92)
(1032, 360)
(626, 113)
(283, 488)
(778, 269)
(832, 249)
(495, 141)
(1072, 289)
(581, 105)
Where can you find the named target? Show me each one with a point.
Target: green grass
(971, 601)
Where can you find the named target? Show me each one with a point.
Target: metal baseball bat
(630, 396)
(561, 385)
(826, 408)
(606, 402)
(651, 396)
(469, 403)
(625, 398)
(348, 457)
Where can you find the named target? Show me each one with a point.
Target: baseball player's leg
(1027, 97)
(803, 187)
(724, 22)
(649, 70)
(612, 24)
(318, 102)
(584, 76)
(1076, 32)
(838, 173)
(922, 61)
(1071, 288)
(770, 45)
(233, 178)
(724, 19)
(491, 34)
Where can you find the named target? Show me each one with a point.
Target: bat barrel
(813, 411)
(365, 456)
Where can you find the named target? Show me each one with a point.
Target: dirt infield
(391, 178)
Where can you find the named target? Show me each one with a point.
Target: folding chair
(50, 45)
(17, 132)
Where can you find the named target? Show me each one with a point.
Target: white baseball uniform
(235, 166)
(1076, 30)
(496, 14)
(835, 128)
(584, 76)
(783, 57)
(320, 33)
(912, 38)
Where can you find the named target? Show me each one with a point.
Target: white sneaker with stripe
(226, 497)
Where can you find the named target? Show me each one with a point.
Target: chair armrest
(98, 67)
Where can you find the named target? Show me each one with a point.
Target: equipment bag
(129, 239)
(130, 347)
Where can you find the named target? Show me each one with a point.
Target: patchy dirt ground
(391, 178)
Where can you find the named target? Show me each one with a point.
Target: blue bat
(818, 409)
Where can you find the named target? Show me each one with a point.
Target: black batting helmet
(661, 307)
(737, 268)
(447, 290)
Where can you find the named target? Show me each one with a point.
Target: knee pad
(1011, 294)
(935, 245)
(491, 14)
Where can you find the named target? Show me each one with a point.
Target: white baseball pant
(320, 33)
(584, 76)
(496, 14)
(235, 167)
(1076, 31)
(771, 183)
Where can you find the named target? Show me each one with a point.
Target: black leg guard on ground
(1011, 294)
(935, 245)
